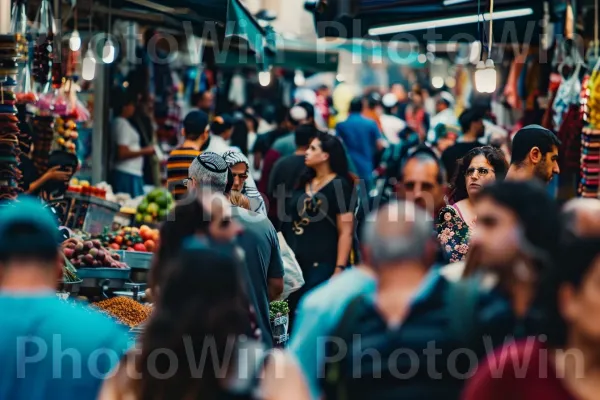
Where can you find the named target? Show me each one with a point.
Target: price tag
(280, 321)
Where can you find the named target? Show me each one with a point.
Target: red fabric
(510, 89)
(415, 119)
(518, 371)
(570, 136)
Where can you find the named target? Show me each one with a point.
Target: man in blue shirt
(50, 348)
(362, 139)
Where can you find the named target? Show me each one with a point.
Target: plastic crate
(88, 213)
(136, 259)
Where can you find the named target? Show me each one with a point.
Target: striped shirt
(178, 164)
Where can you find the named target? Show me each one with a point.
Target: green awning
(290, 54)
(242, 25)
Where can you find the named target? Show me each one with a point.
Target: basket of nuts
(127, 311)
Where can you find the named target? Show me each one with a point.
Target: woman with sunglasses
(322, 221)
(196, 345)
(479, 167)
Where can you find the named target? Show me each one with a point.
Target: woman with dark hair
(190, 219)
(321, 210)
(201, 321)
(479, 167)
(565, 365)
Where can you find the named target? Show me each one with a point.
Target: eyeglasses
(480, 171)
(241, 176)
(188, 182)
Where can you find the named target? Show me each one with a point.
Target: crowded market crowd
(436, 265)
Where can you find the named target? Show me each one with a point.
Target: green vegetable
(278, 309)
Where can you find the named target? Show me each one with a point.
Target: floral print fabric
(453, 234)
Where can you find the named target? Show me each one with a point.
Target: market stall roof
(290, 54)
(230, 17)
(411, 19)
(323, 56)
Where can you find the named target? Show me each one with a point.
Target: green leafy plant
(278, 309)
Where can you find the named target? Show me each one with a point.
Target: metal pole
(5, 12)
(99, 131)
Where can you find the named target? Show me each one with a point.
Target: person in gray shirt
(208, 173)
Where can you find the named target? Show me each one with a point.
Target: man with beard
(534, 155)
(422, 180)
(471, 123)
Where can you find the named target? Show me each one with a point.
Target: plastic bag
(293, 279)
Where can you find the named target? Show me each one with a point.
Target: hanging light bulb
(490, 76)
(437, 82)
(264, 78)
(108, 52)
(88, 69)
(480, 77)
(299, 79)
(75, 41)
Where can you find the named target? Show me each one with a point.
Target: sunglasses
(188, 182)
(480, 171)
(241, 176)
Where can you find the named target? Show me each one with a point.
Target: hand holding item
(55, 174)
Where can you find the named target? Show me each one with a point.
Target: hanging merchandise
(44, 71)
(23, 89)
(43, 125)
(66, 134)
(567, 95)
(590, 137)
(9, 130)
(237, 90)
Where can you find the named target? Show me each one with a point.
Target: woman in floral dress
(479, 167)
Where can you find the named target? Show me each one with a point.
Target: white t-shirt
(126, 135)
(392, 126)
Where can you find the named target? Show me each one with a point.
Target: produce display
(154, 207)
(84, 187)
(278, 309)
(131, 239)
(66, 133)
(90, 254)
(9, 130)
(126, 310)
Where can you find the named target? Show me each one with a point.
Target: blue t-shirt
(360, 136)
(317, 316)
(55, 349)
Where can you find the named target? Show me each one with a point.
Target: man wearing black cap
(195, 131)
(534, 155)
(49, 347)
(471, 123)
